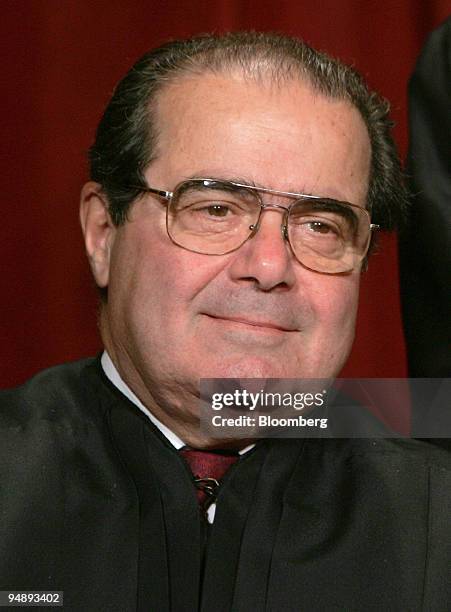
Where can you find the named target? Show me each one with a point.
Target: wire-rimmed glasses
(215, 217)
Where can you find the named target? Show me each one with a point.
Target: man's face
(174, 316)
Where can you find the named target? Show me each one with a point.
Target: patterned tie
(208, 467)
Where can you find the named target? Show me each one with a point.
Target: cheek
(174, 277)
(155, 282)
(335, 302)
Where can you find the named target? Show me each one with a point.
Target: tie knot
(208, 467)
(209, 464)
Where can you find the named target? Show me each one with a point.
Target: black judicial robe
(94, 502)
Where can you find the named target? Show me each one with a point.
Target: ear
(98, 230)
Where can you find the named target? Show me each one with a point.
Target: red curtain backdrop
(61, 59)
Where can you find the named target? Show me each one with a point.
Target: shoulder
(397, 453)
(373, 473)
(53, 421)
(53, 394)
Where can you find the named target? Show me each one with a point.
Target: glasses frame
(168, 196)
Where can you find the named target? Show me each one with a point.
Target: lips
(261, 324)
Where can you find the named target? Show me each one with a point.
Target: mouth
(256, 325)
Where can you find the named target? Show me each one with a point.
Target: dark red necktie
(208, 467)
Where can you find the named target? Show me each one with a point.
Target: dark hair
(126, 137)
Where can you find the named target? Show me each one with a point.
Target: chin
(246, 367)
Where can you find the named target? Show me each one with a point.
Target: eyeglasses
(216, 217)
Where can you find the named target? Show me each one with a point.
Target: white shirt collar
(110, 370)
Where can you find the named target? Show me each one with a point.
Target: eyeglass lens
(215, 218)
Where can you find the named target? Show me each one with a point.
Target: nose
(266, 258)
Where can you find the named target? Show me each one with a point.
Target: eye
(217, 210)
(320, 227)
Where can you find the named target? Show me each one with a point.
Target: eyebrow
(249, 183)
(244, 182)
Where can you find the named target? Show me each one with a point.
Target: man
(226, 224)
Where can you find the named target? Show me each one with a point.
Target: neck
(178, 412)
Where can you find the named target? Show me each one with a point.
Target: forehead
(283, 136)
